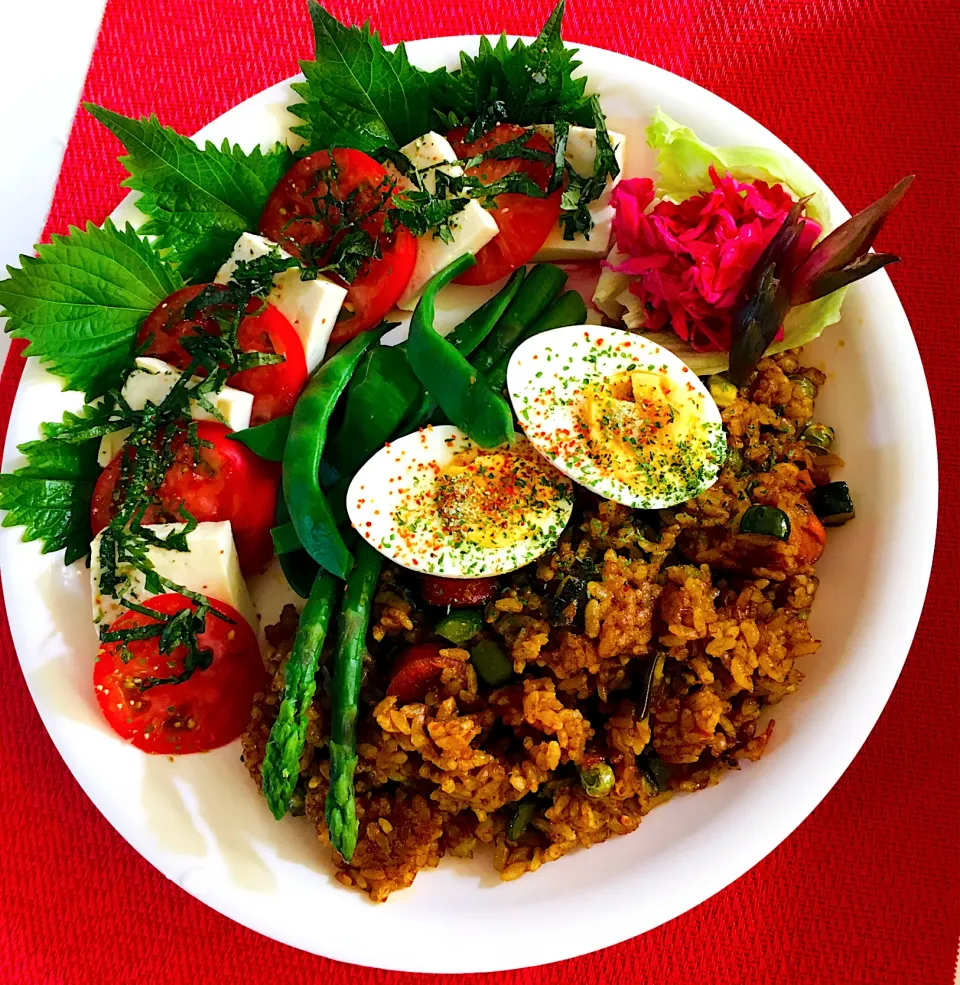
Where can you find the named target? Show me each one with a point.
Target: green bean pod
(309, 509)
(380, 396)
(281, 758)
(297, 566)
(341, 807)
(541, 286)
(468, 335)
(465, 338)
(465, 397)
(266, 440)
(568, 309)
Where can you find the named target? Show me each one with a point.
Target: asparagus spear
(281, 759)
(341, 807)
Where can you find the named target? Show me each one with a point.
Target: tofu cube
(428, 155)
(209, 567)
(152, 380)
(593, 246)
(311, 306)
(472, 229)
(581, 155)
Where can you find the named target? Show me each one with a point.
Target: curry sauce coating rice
(652, 642)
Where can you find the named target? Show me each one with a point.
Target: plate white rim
(597, 924)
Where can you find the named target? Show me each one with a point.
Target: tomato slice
(419, 668)
(327, 196)
(223, 481)
(275, 387)
(167, 325)
(460, 593)
(209, 709)
(524, 222)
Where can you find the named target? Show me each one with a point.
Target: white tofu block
(248, 247)
(581, 152)
(311, 306)
(210, 567)
(426, 153)
(581, 155)
(110, 444)
(152, 380)
(472, 229)
(593, 247)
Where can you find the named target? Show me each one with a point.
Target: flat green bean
(540, 287)
(309, 509)
(464, 338)
(465, 397)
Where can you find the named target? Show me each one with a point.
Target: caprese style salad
(243, 411)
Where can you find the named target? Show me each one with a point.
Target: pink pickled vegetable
(691, 261)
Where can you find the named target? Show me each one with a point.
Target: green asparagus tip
(342, 823)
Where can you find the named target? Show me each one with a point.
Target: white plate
(200, 821)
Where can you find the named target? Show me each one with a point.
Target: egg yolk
(625, 414)
(496, 499)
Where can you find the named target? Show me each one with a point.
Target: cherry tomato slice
(317, 202)
(223, 481)
(419, 668)
(209, 709)
(167, 325)
(275, 387)
(524, 222)
(460, 593)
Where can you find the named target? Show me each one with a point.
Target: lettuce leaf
(683, 163)
(802, 325)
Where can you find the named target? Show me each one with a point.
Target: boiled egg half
(436, 502)
(617, 413)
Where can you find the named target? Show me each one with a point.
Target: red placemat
(868, 888)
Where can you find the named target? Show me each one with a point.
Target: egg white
(379, 498)
(546, 378)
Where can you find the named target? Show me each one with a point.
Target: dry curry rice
(645, 650)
